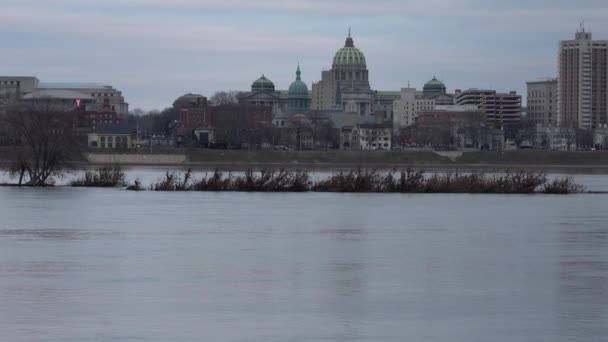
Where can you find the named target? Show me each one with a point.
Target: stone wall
(136, 159)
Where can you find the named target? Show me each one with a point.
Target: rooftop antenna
(582, 25)
(349, 32)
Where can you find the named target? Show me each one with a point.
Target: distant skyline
(155, 50)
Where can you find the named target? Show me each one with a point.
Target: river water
(112, 265)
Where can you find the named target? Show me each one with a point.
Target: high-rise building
(583, 81)
(542, 102)
(501, 108)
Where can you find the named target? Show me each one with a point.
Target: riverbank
(576, 162)
(595, 162)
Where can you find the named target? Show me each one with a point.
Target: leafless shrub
(105, 177)
(563, 186)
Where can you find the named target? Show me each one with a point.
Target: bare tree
(154, 122)
(584, 138)
(43, 140)
(471, 127)
(569, 133)
(222, 98)
(301, 126)
(522, 131)
(323, 133)
(7, 99)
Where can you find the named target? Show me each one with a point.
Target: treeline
(353, 181)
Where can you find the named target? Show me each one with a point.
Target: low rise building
(87, 120)
(600, 137)
(94, 96)
(17, 86)
(369, 136)
(111, 136)
(555, 138)
(376, 136)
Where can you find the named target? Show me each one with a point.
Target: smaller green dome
(434, 87)
(434, 83)
(298, 88)
(262, 84)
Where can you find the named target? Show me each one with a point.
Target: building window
(110, 142)
(103, 142)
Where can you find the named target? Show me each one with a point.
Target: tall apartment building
(582, 82)
(501, 108)
(542, 102)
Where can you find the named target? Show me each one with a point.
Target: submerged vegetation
(368, 181)
(105, 177)
(250, 181)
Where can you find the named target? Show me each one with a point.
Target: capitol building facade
(345, 88)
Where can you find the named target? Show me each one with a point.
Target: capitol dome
(262, 84)
(298, 88)
(349, 54)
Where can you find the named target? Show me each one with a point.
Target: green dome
(434, 86)
(349, 54)
(434, 83)
(262, 84)
(298, 88)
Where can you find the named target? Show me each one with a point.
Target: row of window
(539, 108)
(539, 94)
(350, 76)
(114, 142)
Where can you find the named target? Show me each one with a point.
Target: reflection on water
(584, 281)
(110, 265)
(53, 234)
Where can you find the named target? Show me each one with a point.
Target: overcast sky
(157, 50)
